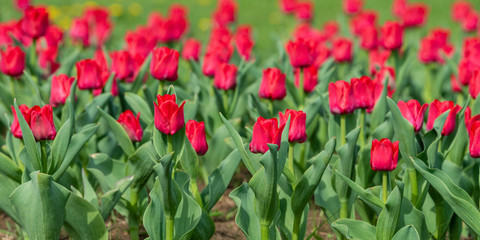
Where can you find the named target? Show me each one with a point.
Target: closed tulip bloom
(301, 53)
(168, 115)
(273, 84)
(191, 49)
(131, 124)
(465, 71)
(455, 84)
(342, 50)
(288, 6)
(391, 35)
(79, 31)
(39, 119)
(369, 38)
(12, 62)
(428, 51)
(34, 22)
(22, 4)
(164, 64)
(89, 74)
(310, 78)
(304, 10)
(474, 136)
(340, 96)
(15, 127)
(399, 7)
(415, 15)
(225, 76)
(140, 42)
(265, 131)
(364, 92)
(298, 119)
(470, 22)
(352, 6)
(225, 13)
(244, 42)
(384, 155)
(362, 21)
(195, 132)
(47, 59)
(413, 112)
(210, 64)
(474, 85)
(460, 10)
(60, 89)
(436, 109)
(122, 65)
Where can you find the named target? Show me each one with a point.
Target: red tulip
(352, 6)
(22, 4)
(364, 92)
(399, 7)
(331, 28)
(164, 64)
(428, 51)
(273, 84)
(175, 25)
(369, 38)
(384, 155)
(474, 136)
(191, 49)
(5, 30)
(79, 31)
(304, 10)
(34, 22)
(470, 22)
(340, 96)
(436, 109)
(15, 127)
(342, 50)
(244, 42)
(310, 78)
(415, 15)
(122, 65)
(89, 74)
(140, 42)
(474, 85)
(168, 115)
(322, 53)
(99, 24)
(225, 13)
(54, 36)
(377, 60)
(365, 19)
(39, 119)
(265, 131)
(391, 35)
(413, 112)
(12, 62)
(195, 132)
(297, 131)
(465, 71)
(131, 124)
(288, 6)
(460, 10)
(60, 89)
(301, 53)
(47, 59)
(455, 84)
(225, 76)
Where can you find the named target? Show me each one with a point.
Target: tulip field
(166, 124)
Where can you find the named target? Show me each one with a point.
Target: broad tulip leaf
(139, 105)
(154, 216)
(354, 229)
(455, 196)
(403, 132)
(40, 205)
(366, 196)
(205, 228)
(456, 152)
(9, 168)
(91, 109)
(140, 164)
(29, 140)
(120, 134)
(285, 222)
(110, 198)
(62, 140)
(141, 74)
(106, 170)
(246, 218)
(189, 212)
(8, 186)
(348, 156)
(82, 220)
(88, 191)
(159, 142)
(407, 232)
(388, 218)
(380, 109)
(326, 196)
(170, 192)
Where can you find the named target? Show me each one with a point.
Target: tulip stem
(291, 161)
(225, 101)
(343, 208)
(385, 185)
(169, 229)
(264, 231)
(343, 130)
(169, 143)
(296, 227)
(362, 127)
(195, 192)
(44, 163)
(160, 88)
(301, 92)
(132, 215)
(413, 181)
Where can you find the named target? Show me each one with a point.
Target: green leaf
(407, 232)
(139, 105)
(170, 192)
(246, 218)
(140, 164)
(29, 140)
(403, 131)
(106, 170)
(9, 168)
(62, 140)
(354, 229)
(120, 134)
(8, 186)
(154, 216)
(159, 142)
(110, 198)
(388, 218)
(366, 196)
(91, 109)
(205, 227)
(380, 109)
(189, 212)
(141, 74)
(456, 197)
(83, 221)
(40, 205)
(88, 191)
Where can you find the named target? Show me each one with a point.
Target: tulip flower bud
(244, 42)
(79, 31)
(265, 131)
(470, 22)
(297, 131)
(304, 10)
(273, 84)
(414, 15)
(391, 35)
(436, 109)
(340, 96)
(413, 112)
(140, 43)
(352, 6)
(131, 124)
(225, 76)
(89, 74)
(195, 132)
(301, 53)
(34, 22)
(122, 65)
(288, 6)
(12, 62)
(39, 119)
(474, 85)
(191, 49)
(168, 115)
(22, 4)
(364, 92)
(226, 12)
(384, 155)
(369, 38)
(399, 7)
(474, 136)
(342, 50)
(310, 78)
(460, 10)
(60, 89)
(164, 64)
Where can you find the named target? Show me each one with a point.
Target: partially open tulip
(342, 50)
(364, 92)
(310, 78)
(164, 64)
(265, 131)
(301, 53)
(168, 115)
(413, 112)
(391, 35)
(225, 76)
(384, 155)
(122, 65)
(191, 49)
(60, 89)
(89, 74)
(436, 109)
(362, 21)
(474, 136)
(195, 132)
(140, 42)
(39, 119)
(34, 22)
(297, 131)
(474, 84)
(131, 124)
(12, 62)
(341, 98)
(273, 84)
(352, 6)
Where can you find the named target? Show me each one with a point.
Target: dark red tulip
(168, 115)
(225, 76)
(191, 49)
(89, 74)
(352, 6)
(34, 22)
(384, 155)
(342, 50)
(164, 64)
(60, 89)
(413, 112)
(195, 132)
(265, 131)
(288, 6)
(12, 62)
(273, 84)
(415, 15)
(341, 98)
(244, 42)
(297, 130)
(39, 119)
(310, 78)
(131, 124)
(225, 13)
(79, 31)
(301, 53)
(364, 92)
(122, 65)
(304, 10)
(474, 84)
(391, 35)
(436, 109)
(460, 10)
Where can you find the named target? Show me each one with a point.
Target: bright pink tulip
(384, 155)
(60, 89)
(273, 84)
(297, 131)
(168, 115)
(131, 124)
(195, 132)
(265, 131)
(341, 98)
(164, 64)
(413, 112)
